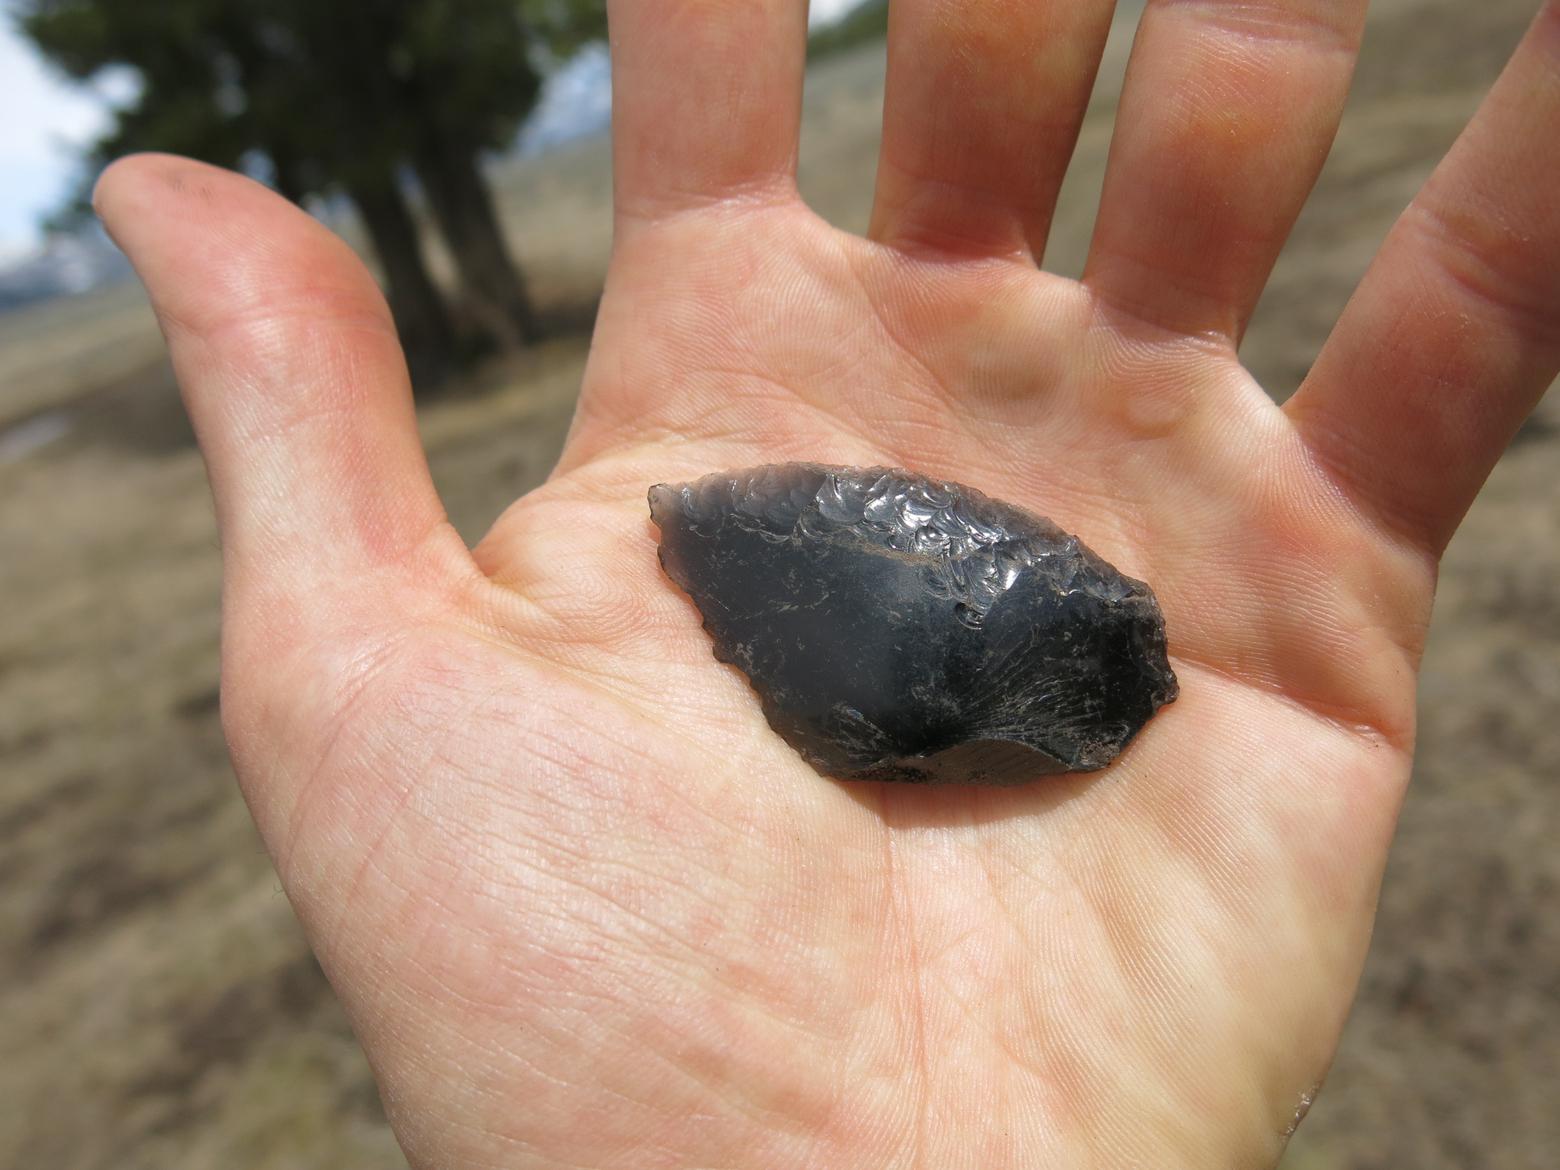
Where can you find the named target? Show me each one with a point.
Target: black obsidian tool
(902, 628)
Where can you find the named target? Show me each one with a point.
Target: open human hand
(583, 907)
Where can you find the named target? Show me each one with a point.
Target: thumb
(290, 368)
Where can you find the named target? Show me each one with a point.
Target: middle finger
(982, 111)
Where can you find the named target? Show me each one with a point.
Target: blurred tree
(342, 98)
(464, 78)
(868, 21)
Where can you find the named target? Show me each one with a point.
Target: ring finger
(1229, 109)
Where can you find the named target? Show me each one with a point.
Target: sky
(823, 11)
(47, 118)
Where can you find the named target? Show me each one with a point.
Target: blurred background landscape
(158, 1007)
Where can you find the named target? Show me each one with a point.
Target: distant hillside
(64, 265)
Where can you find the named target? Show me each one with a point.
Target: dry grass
(158, 1005)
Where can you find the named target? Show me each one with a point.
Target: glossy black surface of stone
(902, 628)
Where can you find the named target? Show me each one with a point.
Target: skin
(577, 924)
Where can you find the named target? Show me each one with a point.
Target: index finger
(706, 100)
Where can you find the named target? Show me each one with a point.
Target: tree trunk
(462, 203)
(427, 334)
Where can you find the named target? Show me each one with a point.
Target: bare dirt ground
(158, 1007)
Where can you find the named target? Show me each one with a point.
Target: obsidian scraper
(901, 628)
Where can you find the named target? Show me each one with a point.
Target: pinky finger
(1454, 333)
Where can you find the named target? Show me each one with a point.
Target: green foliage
(866, 23)
(563, 27)
(324, 89)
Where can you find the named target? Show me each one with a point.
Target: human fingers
(1454, 333)
(1228, 112)
(290, 368)
(982, 110)
(706, 101)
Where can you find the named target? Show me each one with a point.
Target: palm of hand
(586, 910)
(851, 972)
